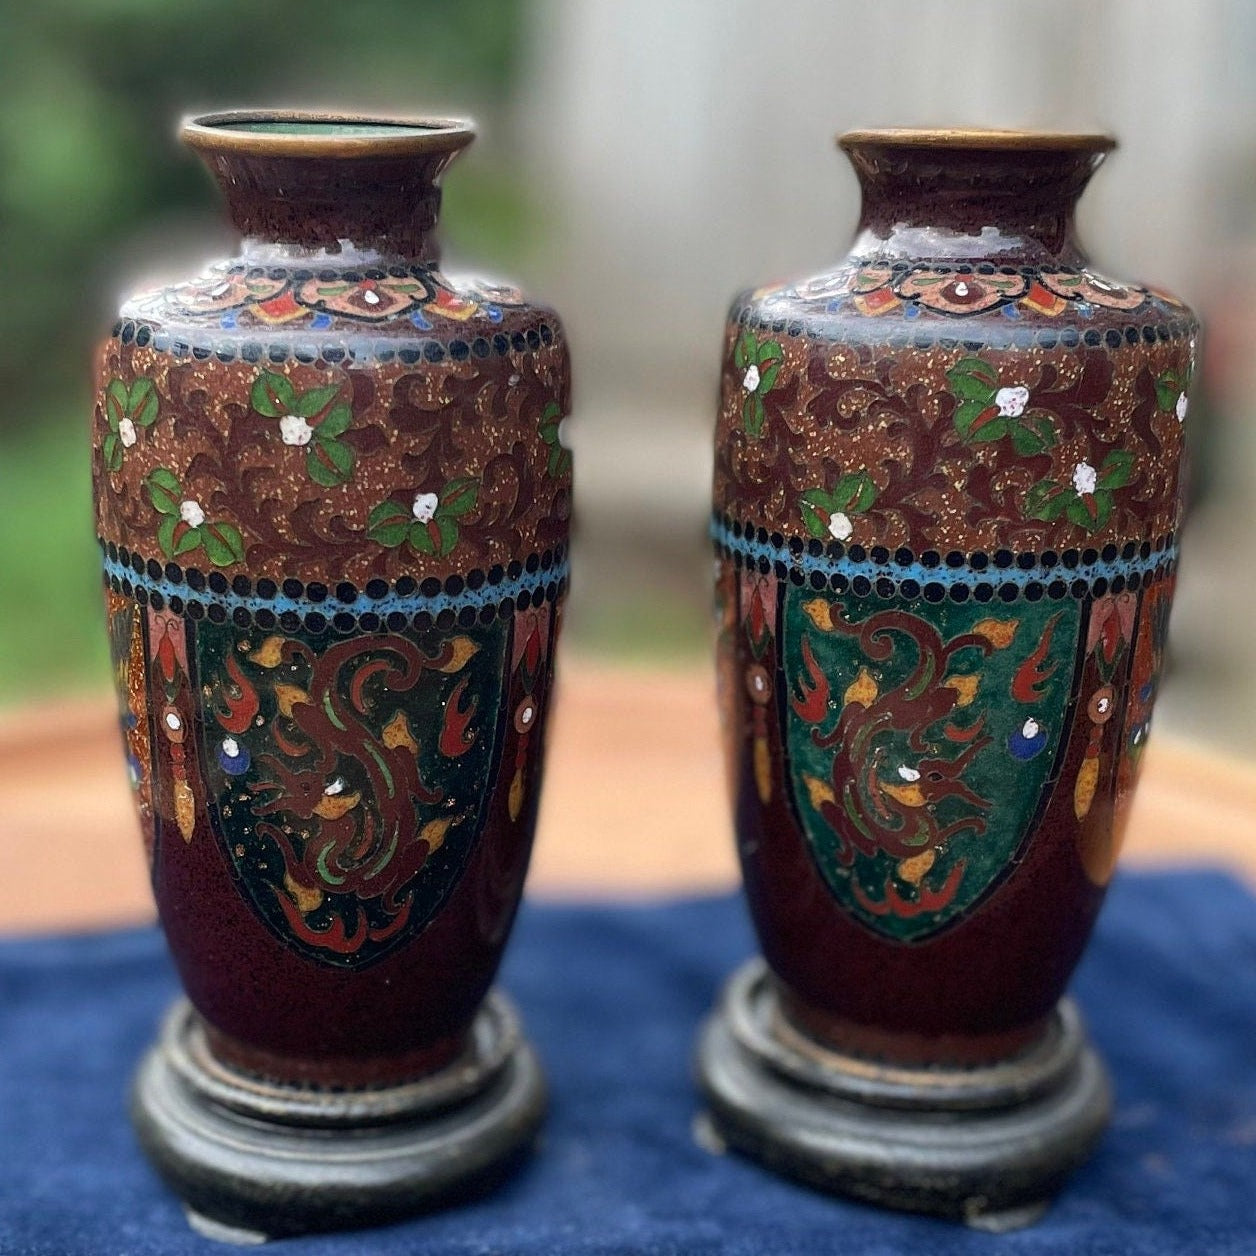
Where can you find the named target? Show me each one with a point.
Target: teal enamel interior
(369, 130)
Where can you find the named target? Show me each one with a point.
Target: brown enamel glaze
(333, 504)
(958, 452)
(271, 1012)
(964, 182)
(379, 190)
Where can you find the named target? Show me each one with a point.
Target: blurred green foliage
(89, 94)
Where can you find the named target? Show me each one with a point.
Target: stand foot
(254, 1160)
(989, 1146)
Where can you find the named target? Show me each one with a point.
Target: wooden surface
(634, 803)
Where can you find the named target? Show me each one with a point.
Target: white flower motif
(1030, 729)
(1180, 408)
(908, 774)
(1012, 401)
(126, 433)
(562, 434)
(840, 526)
(230, 747)
(424, 507)
(295, 430)
(335, 787)
(1085, 477)
(750, 380)
(191, 513)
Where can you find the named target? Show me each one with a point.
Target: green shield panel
(921, 743)
(348, 779)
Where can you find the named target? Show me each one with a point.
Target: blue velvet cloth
(612, 997)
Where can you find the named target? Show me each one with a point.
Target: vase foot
(253, 1159)
(989, 1145)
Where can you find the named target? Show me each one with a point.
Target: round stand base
(988, 1145)
(254, 1160)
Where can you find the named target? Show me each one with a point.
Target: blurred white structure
(686, 151)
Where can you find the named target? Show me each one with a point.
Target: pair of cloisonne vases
(333, 501)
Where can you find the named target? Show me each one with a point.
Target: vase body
(948, 490)
(333, 511)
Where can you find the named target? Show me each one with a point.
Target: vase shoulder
(999, 304)
(253, 309)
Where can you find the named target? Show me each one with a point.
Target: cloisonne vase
(947, 493)
(333, 508)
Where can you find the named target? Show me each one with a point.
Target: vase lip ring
(973, 139)
(323, 133)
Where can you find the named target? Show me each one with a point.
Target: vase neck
(301, 184)
(969, 195)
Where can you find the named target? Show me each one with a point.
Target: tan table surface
(634, 802)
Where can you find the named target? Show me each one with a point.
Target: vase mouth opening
(318, 134)
(978, 139)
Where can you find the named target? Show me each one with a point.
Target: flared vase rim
(332, 134)
(978, 139)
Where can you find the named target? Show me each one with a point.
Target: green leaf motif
(977, 417)
(1046, 500)
(753, 415)
(315, 401)
(767, 357)
(165, 534)
(813, 521)
(421, 538)
(994, 427)
(1169, 386)
(138, 403)
(273, 395)
(1032, 435)
(971, 379)
(328, 462)
(448, 531)
(1116, 469)
(968, 412)
(115, 403)
(768, 351)
(457, 497)
(388, 524)
(223, 543)
(1041, 425)
(189, 540)
(1104, 502)
(142, 402)
(164, 491)
(1025, 441)
(853, 494)
(1090, 512)
(559, 462)
(335, 422)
